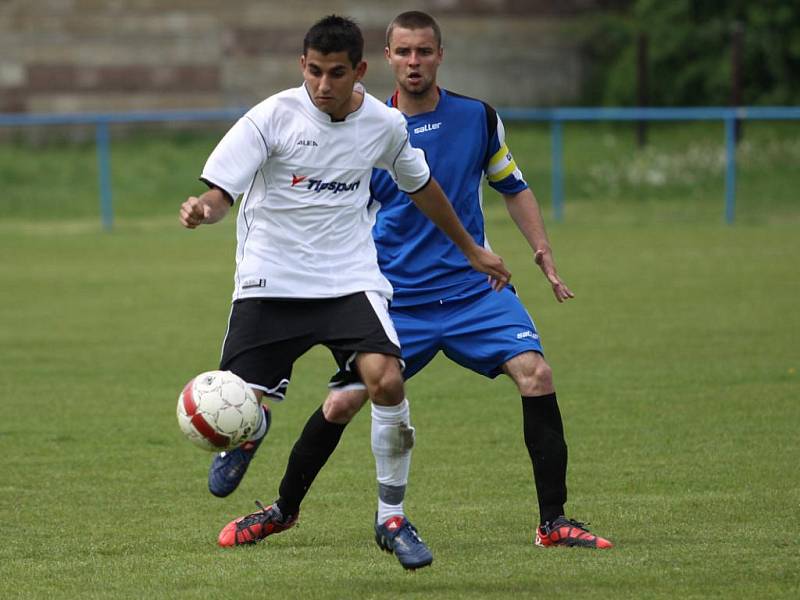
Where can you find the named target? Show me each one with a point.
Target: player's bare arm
(434, 204)
(208, 208)
(524, 210)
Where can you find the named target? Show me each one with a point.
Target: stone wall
(112, 55)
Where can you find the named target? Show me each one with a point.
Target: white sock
(392, 441)
(387, 511)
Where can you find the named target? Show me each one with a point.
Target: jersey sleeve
(406, 165)
(501, 168)
(236, 159)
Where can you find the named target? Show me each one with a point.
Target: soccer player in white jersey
(306, 267)
(440, 301)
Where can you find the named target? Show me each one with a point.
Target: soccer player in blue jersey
(440, 303)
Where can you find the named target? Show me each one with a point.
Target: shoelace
(578, 524)
(564, 521)
(256, 517)
(413, 531)
(235, 468)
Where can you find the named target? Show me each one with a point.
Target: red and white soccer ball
(217, 411)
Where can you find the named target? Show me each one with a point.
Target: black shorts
(267, 335)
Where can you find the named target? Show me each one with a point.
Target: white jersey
(304, 228)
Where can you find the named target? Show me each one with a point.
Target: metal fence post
(558, 171)
(730, 168)
(102, 139)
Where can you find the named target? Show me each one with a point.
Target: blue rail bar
(728, 115)
(222, 114)
(556, 116)
(718, 113)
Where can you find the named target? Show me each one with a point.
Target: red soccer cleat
(254, 527)
(566, 532)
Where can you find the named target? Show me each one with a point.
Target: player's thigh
(263, 340)
(364, 343)
(420, 333)
(485, 331)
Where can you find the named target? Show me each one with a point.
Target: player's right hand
(194, 212)
(488, 262)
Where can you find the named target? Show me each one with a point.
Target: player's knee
(381, 374)
(535, 378)
(342, 405)
(384, 382)
(387, 389)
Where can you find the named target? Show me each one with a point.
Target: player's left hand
(544, 258)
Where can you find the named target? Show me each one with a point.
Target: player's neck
(355, 102)
(357, 99)
(416, 104)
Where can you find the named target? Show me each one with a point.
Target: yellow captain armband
(501, 165)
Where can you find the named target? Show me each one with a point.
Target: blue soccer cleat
(228, 468)
(399, 537)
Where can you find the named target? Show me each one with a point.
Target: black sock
(544, 437)
(309, 455)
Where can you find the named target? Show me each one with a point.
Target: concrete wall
(109, 55)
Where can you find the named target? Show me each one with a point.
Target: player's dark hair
(335, 34)
(414, 19)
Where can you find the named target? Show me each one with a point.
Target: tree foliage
(690, 52)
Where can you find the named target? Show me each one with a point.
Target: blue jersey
(463, 140)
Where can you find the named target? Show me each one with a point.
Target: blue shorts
(481, 332)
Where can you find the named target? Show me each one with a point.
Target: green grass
(677, 367)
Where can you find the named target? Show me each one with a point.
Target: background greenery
(689, 49)
(678, 177)
(677, 369)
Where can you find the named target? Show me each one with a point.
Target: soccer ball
(217, 411)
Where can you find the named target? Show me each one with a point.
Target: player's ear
(387, 53)
(302, 62)
(361, 70)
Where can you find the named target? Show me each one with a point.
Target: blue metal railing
(101, 122)
(555, 116)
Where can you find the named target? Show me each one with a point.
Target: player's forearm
(433, 203)
(217, 203)
(524, 211)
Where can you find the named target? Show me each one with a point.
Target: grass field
(677, 368)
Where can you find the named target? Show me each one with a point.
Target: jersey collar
(392, 101)
(325, 117)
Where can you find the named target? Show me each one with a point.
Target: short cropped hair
(335, 34)
(414, 19)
